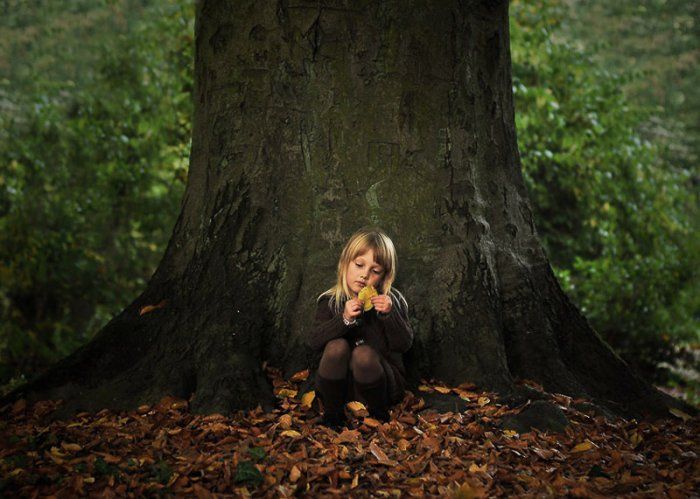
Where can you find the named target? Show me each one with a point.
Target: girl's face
(364, 271)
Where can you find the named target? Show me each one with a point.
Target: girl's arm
(398, 331)
(326, 327)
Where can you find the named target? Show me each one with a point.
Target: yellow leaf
(354, 405)
(286, 392)
(424, 388)
(286, 421)
(442, 389)
(290, 433)
(635, 439)
(482, 401)
(299, 376)
(474, 468)
(583, 446)
(463, 395)
(308, 398)
(71, 447)
(365, 295)
(510, 433)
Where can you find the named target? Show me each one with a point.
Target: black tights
(362, 360)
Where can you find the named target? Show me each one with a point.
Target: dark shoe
(375, 393)
(334, 421)
(332, 394)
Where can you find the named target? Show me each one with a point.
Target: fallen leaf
(351, 436)
(474, 468)
(308, 398)
(371, 422)
(286, 392)
(299, 376)
(150, 308)
(357, 408)
(291, 433)
(294, 474)
(71, 447)
(285, 421)
(583, 446)
(380, 455)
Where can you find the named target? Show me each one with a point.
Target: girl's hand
(382, 303)
(353, 308)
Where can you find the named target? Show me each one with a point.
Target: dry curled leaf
(286, 392)
(583, 446)
(357, 408)
(150, 308)
(380, 455)
(308, 398)
(299, 376)
(291, 433)
(285, 421)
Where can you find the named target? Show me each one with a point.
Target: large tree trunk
(311, 120)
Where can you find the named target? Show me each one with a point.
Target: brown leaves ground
(166, 450)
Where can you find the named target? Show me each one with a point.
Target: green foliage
(657, 39)
(246, 472)
(161, 472)
(616, 218)
(91, 172)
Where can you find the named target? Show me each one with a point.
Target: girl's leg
(370, 381)
(335, 359)
(331, 380)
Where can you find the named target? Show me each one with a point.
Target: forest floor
(165, 450)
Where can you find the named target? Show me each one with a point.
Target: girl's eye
(376, 271)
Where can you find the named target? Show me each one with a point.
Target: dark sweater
(389, 334)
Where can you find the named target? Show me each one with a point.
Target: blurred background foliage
(95, 137)
(607, 132)
(95, 123)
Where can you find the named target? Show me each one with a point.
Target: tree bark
(312, 119)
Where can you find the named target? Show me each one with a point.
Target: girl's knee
(365, 358)
(337, 349)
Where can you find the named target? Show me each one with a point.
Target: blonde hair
(384, 253)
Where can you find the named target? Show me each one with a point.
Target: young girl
(361, 348)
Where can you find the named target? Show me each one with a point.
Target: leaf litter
(163, 449)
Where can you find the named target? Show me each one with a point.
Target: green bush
(91, 176)
(614, 217)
